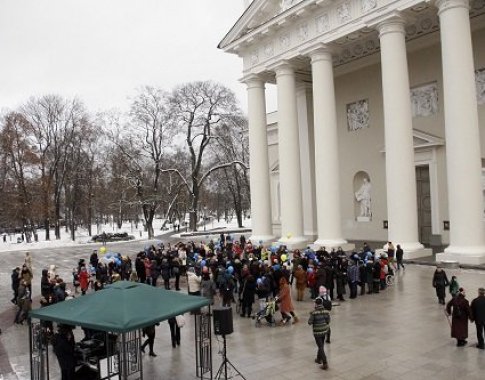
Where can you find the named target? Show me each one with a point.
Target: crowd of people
(230, 271)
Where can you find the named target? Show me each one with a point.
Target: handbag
(180, 319)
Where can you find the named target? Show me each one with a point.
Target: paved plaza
(400, 333)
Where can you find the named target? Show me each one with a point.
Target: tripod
(225, 362)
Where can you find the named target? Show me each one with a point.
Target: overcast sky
(102, 50)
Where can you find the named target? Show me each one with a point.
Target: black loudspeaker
(222, 320)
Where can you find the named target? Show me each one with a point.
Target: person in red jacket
(384, 262)
(311, 282)
(83, 280)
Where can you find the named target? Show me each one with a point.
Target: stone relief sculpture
(480, 82)
(363, 196)
(269, 50)
(424, 100)
(358, 115)
(367, 5)
(343, 12)
(286, 4)
(323, 23)
(303, 32)
(285, 40)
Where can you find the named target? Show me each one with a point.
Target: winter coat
(319, 319)
(45, 284)
(26, 275)
(284, 296)
(320, 277)
(249, 289)
(301, 278)
(84, 279)
(478, 309)
(208, 289)
(353, 274)
(440, 282)
(460, 311)
(193, 282)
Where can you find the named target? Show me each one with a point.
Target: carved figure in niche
(363, 196)
(480, 82)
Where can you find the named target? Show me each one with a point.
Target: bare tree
(19, 159)
(53, 122)
(233, 145)
(143, 143)
(197, 109)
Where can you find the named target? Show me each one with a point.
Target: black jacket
(478, 309)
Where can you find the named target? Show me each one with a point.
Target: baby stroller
(267, 313)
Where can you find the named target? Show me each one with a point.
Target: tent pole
(124, 361)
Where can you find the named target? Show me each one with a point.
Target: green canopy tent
(122, 308)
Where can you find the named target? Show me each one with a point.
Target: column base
(414, 250)
(329, 244)
(423, 252)
(463, 255)
(261, 239)
(295, 242)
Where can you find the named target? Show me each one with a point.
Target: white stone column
(326, 151)
(400, 168)
(463, 158)
(262, 229)
(289, 158)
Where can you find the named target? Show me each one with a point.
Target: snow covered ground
(82, 236)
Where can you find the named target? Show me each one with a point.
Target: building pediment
(424, 140)
(258, 14)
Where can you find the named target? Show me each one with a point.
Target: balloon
(259, 281)
(203, 263)
(283, 257)
(102, 250)
(276, 267)
(310, 270)
(230, 269)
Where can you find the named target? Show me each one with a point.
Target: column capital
(283, 68)
(318, 52)
(444, 5)
(394, 24)
(253, 81)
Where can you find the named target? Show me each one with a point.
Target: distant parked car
(118, 236)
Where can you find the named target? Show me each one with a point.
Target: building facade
(380, 128)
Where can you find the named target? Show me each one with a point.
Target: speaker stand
(222, 371)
